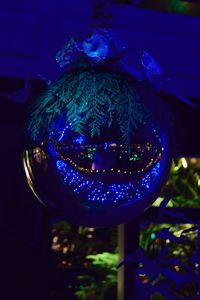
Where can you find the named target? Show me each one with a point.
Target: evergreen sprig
(90, 99)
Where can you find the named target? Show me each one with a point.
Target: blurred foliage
(166, 5)
(105, 260)
(178, 6)
(71, 244)
(183, 185)
(169, 264)
(175, 6)
(102, 284)
(167, 258)
(88, 259)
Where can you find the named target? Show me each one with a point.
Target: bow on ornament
(103, 46)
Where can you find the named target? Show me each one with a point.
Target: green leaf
(90, 99)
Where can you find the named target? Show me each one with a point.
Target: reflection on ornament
(86, 181)
(39, 155)
(97, 191)
(92, 154)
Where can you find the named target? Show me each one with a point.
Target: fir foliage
(91, 100)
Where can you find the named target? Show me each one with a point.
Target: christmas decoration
(89, 97)
(97, 152)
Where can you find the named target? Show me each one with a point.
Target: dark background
(32, 32)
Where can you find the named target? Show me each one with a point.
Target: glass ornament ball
(96, 180)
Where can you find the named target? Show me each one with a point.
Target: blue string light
(63, 132)
(94, 191)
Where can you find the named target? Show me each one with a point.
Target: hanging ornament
(98, 149)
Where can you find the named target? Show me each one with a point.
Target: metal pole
(128, 239)
(121, 271)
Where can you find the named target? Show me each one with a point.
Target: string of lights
(97, 192)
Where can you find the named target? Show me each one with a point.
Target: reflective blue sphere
(97, 180)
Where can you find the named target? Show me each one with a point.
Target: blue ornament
(97, 182)
(92, 155)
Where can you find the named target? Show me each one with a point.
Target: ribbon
(103, 45)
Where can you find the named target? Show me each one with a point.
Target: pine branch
(89, 99)
(130, 114)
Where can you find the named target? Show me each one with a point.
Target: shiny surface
(97, 182)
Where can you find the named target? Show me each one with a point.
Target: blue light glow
(94, 191)
(79, 140)
(63, 132)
